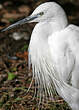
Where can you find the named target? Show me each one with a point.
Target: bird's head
(45, 12)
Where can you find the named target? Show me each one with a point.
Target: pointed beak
(23, 21)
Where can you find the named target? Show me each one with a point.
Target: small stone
(19, 35)
(16, 36)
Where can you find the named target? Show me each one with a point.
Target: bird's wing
(61, 49)
(64, 47)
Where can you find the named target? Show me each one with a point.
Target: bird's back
(64, 48)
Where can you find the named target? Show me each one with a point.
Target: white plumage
(54, 53)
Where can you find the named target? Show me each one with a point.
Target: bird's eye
(41, 13)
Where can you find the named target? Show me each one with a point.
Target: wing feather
(64, 47)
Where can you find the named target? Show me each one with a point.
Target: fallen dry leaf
(7, 3)
(11, 15)
(4, 20)
(24, 55)
(24, 9)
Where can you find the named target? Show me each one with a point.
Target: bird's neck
(53, 25)
(59, 23)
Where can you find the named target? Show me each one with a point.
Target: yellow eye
(41, 13)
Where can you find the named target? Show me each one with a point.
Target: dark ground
(15, 77)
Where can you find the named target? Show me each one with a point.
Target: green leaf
(11, 20)
(24, 48)
(11, 76)
(20, 88)
(14, 69)
(18, 99)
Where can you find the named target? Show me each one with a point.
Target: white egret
(54, 52)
